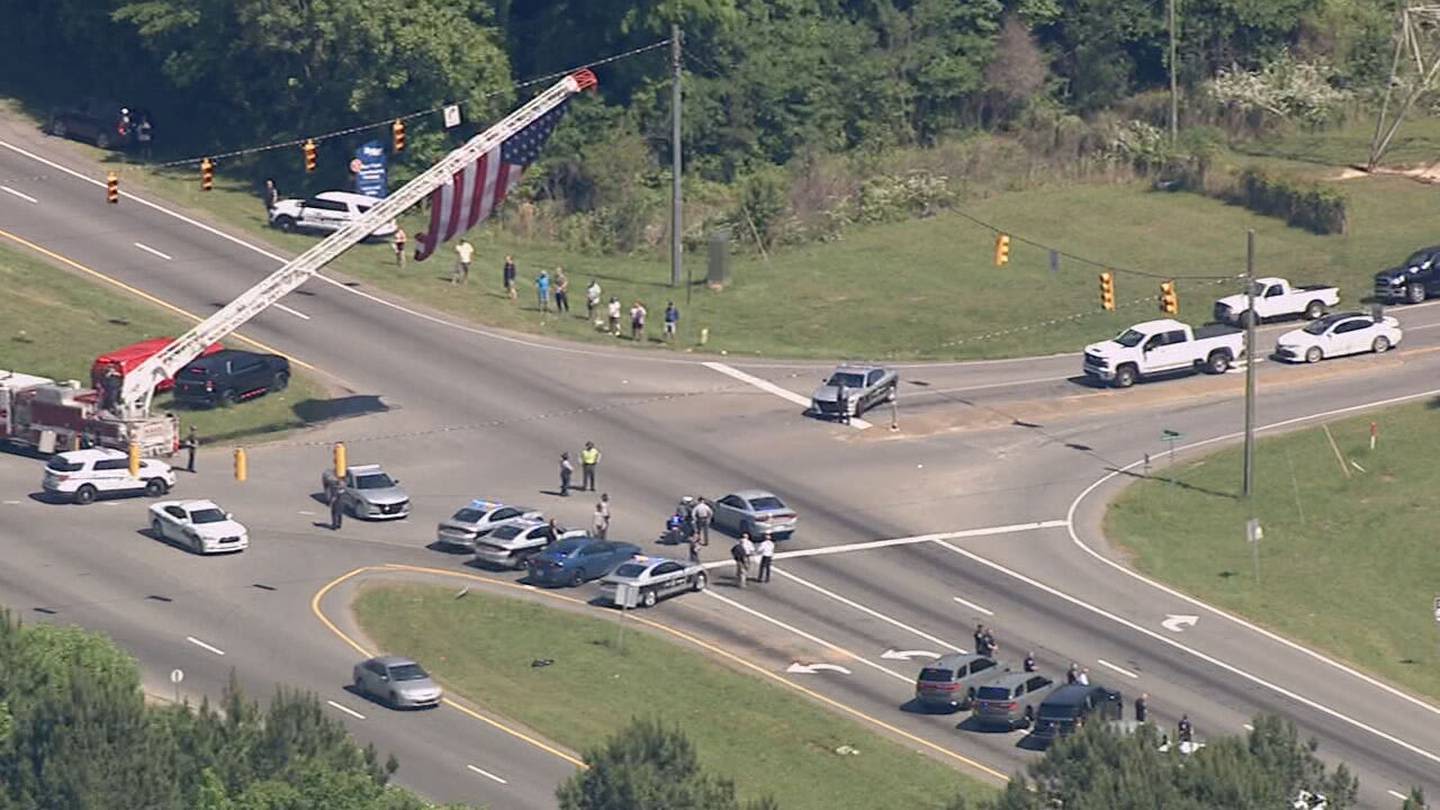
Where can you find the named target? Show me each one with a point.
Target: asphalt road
(991, 482)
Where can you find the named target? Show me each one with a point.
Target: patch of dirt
(1429, 173)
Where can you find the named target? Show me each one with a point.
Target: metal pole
(1174, 95)
(675, 198)
(1250, 358)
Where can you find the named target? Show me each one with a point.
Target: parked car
(865, 387)
(327, 212)
(653, 579)
(107, 124)
(201, 526)
(1413, 280)
(369, 492)
(84, 475)
(398, 682)
(577, 560)
(754, 511)
(512, 545)
(1337, 335)
(1164, 345)
(1275, 298)
(949, 682)
(1066, 708)
(1012, 699)
(229, 376)
(478, 518)
(126, 358)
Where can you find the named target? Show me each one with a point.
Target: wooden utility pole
(1174, 85)
(676, 222)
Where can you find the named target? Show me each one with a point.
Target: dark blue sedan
(573, 561)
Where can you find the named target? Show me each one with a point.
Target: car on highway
(1339, 334)
(1011, 700)
(107, 124)
(948, 683)
(478, 518)
(369, 492)
(326, 212)
(1276, 298)
(756, 512)
(652, 579)
(577, 560)
(1067, 708)
(396, 681)
(1162, 346)
(84, 475)
(1411, 281)
(865, 387)
(229, 376)
(201, 526)
(513, 544)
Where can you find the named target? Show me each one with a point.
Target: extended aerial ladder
(139, 385)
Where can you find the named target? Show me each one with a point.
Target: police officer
(337, 505)
(192, 443)
(1142, 705)
(1029, 662)
(589, 458)
(842, 401)
(1186, 730)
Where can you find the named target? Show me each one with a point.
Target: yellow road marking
(705, 645)
(69, 262)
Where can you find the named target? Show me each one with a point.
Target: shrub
(1303, 204)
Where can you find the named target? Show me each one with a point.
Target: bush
(1300, 203)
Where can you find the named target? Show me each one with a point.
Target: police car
(477, 519)
(651, 579)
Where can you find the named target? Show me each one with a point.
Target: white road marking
(202, 645)
(1248, 727)
(1123, 671)
(1401, 796)
(152, 251)
(808, 637)
(1238, 367)
(351, 712)
(487, 774)
(21, 195)
(771, 388)
(810, 669)
(962, 389)
(919, 538)
(1177, 624)
(306, 512)
(906, 655)
(302, 316)
(12, 503)
(1203, 656)
(844, 601)
(973, 606)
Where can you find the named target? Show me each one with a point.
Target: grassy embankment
(55, 323)
(765, 737)
(1348, 562)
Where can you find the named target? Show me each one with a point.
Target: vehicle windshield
(992, 693)
(468, 515)
(1418, 259)
(768, 503)
(936, 674)
(565, 548)
(1064, 712)
(1258, 288)
(846, 379)
(373, 481)
(207, 516)
(408, 672)
(1130, 338)
(1318, 327)
(630, 570)
(507, 532)
(59, 464)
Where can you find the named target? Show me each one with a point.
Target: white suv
(327, 212)
(84, 475)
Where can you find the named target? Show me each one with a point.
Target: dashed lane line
(1123, 671)
(22, 195)
(973, 606)
(202, 645)
(347, 710)
(152, 251)
(487, 774)
(302, 316)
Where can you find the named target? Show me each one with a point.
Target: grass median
(1348, 562)
(767, 738)
(55, 323)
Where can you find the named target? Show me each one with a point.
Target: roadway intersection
(992, 491)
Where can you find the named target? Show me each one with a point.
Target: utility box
(626, 595)
(718, 274)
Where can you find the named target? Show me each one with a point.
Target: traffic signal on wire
(112, 187)
(398, 128)
(1169, 301)
(1107, 291)
(309, 156)
(1002, 249)
(207, 174)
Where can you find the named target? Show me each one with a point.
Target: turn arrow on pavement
(906, 655)
(811, 669)
(1176, 624)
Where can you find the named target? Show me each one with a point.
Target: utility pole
(675, 198)
(1250, 358)
(1174, 95)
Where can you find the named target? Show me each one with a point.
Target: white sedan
(1339, 334)
(652, 579)
(200, 526)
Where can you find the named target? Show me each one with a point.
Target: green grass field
(1348, 563)
(769, 739)
(55, 323)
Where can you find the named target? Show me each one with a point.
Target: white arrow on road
(811, 669)
(906, 655)
(1175, 624)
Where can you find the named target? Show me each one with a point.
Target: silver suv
(1012, 699)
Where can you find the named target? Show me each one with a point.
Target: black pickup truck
(226, 377)
(1411, 282)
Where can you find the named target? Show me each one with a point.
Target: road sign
(176, 676)
(452, 116)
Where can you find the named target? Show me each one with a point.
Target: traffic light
(1002, 250)
(112, 187)
(398, 128)
(207, 174)
(309, 156)
(1169, 301)
(1107, 291)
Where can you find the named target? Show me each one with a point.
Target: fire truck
(50, 416)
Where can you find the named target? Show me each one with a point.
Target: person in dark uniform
(1186, 730)
(337, 506)
(192, 443)
(1029, 662)
(1142, 707)
(842, 401)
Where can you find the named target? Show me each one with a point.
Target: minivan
(948, 683)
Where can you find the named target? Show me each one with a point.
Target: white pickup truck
(1156, 347)
(1276, 298)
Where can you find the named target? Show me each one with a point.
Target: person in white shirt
(614, 313)
(464, 253)
(702, 514)
(767, 555)
(592, 300)
(1084, 677)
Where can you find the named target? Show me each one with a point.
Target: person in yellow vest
(589, 458)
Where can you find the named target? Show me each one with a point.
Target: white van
(326, 212)
(84, 475)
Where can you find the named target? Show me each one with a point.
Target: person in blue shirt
(672, 317)
(542, 289)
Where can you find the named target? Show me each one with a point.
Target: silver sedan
(756, 512)
(397, 682)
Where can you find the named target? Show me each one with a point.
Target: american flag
(478, 189)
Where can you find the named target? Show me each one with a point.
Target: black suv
(228, 376)
(106, 124)
(1413, 281)
(1072, 705)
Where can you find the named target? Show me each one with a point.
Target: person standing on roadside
(542, 290)
(605, 507)
(672, 319)
(1142, 707)
(1084, 677)
(589, 459)
(1029, 662)
(192, 443)
(842, 403)
(1073, 673)
(701, 514)
(592, 300)
(694, 543)
(599, 522)
(637, 321)
(400, 240)
(562, 292)
(566, 471)
(740, 553)
(464, 253)
(613, 311)
(337, 506)
(271, 195)
(766, 549)
(507, 277)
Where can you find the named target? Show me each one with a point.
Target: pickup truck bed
(1211, 330)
